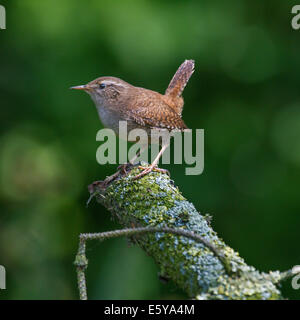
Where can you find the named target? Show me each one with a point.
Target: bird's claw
(147, 170)
(123, 168)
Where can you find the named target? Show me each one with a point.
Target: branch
(180, 240)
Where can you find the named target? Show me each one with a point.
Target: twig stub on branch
(154, 201)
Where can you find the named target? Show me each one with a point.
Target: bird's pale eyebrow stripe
(108, 82)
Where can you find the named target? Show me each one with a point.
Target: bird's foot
(149, 169)
(124, 168)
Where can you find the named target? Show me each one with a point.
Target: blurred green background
(244, 93)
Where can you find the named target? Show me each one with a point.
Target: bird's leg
(123, 167)
(142, 149)
(153, 165)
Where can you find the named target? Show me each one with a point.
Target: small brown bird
(117, 100)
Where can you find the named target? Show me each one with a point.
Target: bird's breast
(109, 118)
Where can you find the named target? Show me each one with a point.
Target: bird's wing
(156, 114)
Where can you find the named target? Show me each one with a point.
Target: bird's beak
(84, 87)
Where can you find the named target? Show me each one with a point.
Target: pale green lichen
(155, 201)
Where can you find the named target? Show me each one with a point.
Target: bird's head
(105, 90)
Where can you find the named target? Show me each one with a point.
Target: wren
(117, 100)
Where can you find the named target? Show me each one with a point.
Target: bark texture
(154, 201)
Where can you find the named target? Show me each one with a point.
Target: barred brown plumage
(117, 100)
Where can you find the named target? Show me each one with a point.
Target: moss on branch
(154, 201)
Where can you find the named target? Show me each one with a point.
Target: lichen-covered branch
(81, 261)
(154, 201)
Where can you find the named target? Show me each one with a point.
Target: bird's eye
(102, 85)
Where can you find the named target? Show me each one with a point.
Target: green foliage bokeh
(244, 94)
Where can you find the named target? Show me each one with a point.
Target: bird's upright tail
(180, 79)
